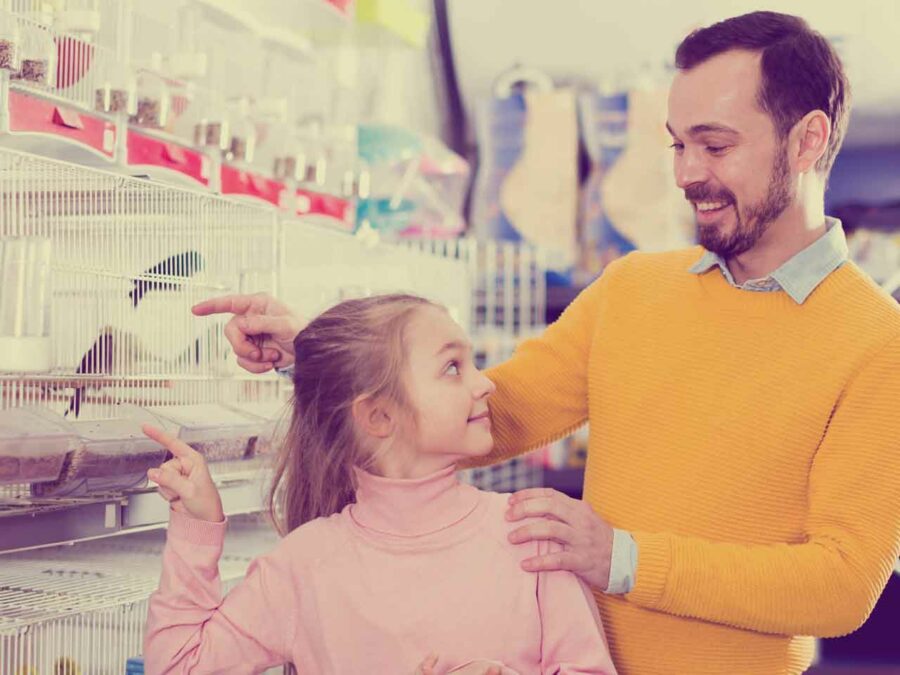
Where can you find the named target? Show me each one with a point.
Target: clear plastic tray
(108, 455)
(216, 431)
(275, 416)
(33, 445)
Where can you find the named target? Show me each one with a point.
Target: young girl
(386, 556)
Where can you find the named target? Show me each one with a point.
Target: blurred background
(493, 155)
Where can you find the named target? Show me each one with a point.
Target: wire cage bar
(83, 608)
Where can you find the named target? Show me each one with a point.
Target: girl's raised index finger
(178, 448)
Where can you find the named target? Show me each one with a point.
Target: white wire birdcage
(128, 259)
(61, 56)
(83, 608)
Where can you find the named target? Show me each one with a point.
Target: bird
(114, 350)
(181, 265)
(118, 350)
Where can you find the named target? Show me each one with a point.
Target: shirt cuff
(623, 566)
(196, 531)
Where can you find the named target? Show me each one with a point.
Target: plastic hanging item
(385, 144)
(37, 65)
(603, 118)
(9, 39)
(118, 91)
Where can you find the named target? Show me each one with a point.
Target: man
(741, 397)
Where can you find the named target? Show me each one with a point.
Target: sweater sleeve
(542, 390)
(192, 629)
(827, 584)
(572, 637)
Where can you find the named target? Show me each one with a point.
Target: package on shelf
(34, 443)
(275, 416)
(290, 96)
(109, 454)
(217, 432)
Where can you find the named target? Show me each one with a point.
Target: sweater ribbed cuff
(195, 531)
(654, 563)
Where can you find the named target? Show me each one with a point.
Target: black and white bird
(117, 350)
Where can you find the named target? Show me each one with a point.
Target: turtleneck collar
(412, 507)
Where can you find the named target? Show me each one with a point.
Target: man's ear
(374, 416)
(812, 135)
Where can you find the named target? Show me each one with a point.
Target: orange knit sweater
(751, 446)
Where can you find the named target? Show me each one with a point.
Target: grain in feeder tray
(34, 444)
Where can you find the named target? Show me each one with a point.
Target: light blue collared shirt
(798, 277)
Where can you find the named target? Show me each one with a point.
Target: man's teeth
(711, 206)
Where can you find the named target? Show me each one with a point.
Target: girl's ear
(374, 416)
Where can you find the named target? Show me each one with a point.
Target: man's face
(729, 159)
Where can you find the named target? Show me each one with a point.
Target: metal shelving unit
(27, 522)
(83, 608)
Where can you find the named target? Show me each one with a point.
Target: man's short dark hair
(801, 72)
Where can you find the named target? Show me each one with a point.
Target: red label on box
(318, 204)
(148, 151)
(343, 6)
(30, 114)
(238, 182)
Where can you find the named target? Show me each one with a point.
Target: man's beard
(756, 218)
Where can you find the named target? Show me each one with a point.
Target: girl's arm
(572, 640)
(192, 629)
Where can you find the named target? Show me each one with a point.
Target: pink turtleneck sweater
(413, 567)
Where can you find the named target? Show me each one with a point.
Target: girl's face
(448, 393)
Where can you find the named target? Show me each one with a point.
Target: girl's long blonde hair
(353, 349)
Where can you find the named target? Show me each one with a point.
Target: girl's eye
(716, 149)
(677, 147)
(452, 368)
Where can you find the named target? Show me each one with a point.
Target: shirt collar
(412, 507)
(800, 275)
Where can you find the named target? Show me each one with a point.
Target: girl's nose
(484, 386)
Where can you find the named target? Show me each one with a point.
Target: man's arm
(542, 389)
(826, 585)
